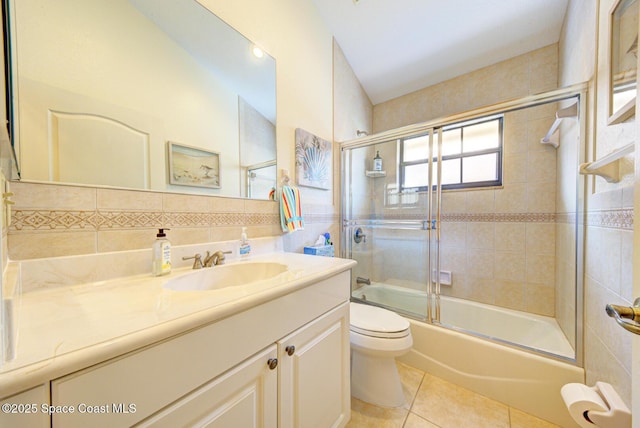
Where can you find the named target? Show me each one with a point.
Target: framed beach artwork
(193, 166)
(313, 160)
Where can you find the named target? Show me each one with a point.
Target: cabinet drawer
(133, 387)
(26, 409)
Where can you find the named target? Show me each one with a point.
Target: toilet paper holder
(628, 317)
(597, 406)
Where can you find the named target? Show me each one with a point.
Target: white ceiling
(399, 46)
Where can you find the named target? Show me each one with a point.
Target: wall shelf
(376, 174)
(608, 167)
(567, 112)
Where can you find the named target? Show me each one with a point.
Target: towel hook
(284, 180)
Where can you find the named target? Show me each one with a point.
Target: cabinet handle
(272, 363)
(290, 350)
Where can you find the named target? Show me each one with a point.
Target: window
(471, 156)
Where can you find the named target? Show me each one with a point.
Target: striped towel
(291, 210)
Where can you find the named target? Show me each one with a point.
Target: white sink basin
(223, 276)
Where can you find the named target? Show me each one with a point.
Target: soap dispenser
(161, 254)
(245, 248)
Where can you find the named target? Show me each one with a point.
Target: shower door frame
(431, 127)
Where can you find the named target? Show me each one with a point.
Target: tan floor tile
(364, 415)
(448, 405)
(411, 379)
(520, 419)
(415, 421)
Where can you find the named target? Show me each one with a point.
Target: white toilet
(377, 336)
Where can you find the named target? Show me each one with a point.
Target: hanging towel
(291, 210)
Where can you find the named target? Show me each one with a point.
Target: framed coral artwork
(313, 160)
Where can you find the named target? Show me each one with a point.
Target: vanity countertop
(61, 330)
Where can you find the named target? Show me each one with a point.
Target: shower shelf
(375, 174)
(567, 112)
(608, 167)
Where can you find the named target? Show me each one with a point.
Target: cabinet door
(314, 373)
(245, 396)
(27, 409)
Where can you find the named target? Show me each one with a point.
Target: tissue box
(322, 250)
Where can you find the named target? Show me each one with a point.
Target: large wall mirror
(104, 90)
(623, 60)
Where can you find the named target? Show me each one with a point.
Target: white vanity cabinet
(25, 410)
(224, 374)
(314, 373)
(301, 382)
(245, 396)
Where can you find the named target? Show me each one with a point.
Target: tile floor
(435, 403)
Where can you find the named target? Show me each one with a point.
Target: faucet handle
(197, 260)
(220, 258)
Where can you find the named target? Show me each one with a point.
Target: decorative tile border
(616, 219)
(48, 220)
(474, 217)
(29, 220)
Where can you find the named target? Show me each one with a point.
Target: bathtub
(516, 377)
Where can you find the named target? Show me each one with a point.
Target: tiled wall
(55, 220)
(500, 243)
(609, 207)
(527, 74)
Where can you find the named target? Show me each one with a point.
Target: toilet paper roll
(579, 399)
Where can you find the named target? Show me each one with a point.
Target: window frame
(460, 185)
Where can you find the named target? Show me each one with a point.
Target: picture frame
(313, 160)
(193, 166)
(623, 53)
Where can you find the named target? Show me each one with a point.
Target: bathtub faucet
(360, 281)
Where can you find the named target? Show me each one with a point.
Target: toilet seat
(377, 322)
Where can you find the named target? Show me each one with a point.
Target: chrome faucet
(215, 259)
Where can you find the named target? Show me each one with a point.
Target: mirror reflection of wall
(257, 152)
(100, 86)
(624, 57)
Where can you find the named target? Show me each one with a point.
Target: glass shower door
(389, 224)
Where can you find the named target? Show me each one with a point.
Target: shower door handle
(628, 317)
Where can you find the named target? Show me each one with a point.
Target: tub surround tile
(510, 236)
(510, 294)
(512, 199)
(515, 169)
(540, 300)
(510, 266)
(541, 166)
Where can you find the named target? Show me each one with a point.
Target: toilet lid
(378, 322)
